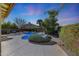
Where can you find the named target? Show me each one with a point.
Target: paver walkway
(19, 47)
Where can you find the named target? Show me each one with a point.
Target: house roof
(30, 26)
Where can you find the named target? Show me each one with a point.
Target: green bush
(39, 39)
(70, 36)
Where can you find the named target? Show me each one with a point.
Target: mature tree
(51, 22)
(20, 22)
(8, 26)
(13, 26)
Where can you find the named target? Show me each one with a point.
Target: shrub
(70, 36)
(38, 38)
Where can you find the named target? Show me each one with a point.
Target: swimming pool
(27, 35)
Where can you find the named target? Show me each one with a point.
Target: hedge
(38, 38)
(70, 36)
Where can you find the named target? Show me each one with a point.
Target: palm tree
(39, 21)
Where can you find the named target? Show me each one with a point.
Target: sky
(31, 12)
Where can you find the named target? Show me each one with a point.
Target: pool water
(27, 35)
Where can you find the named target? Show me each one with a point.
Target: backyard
(36, 30)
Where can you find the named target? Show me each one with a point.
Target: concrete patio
(19, 47)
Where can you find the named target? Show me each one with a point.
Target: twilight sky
(31, 12)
